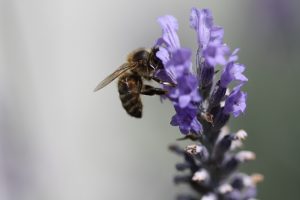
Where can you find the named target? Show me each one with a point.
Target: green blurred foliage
(270, 48)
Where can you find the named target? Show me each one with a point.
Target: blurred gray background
(59, 140)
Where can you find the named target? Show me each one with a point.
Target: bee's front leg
(150, 90)
(163, 82)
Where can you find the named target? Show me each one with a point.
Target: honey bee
(141, 65)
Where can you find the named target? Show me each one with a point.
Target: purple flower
(169, 37)
(234, 57)
(168, 43)
(202, 21)
(203, 98)
(217, 34)
(177, 68)
(216, 53)
(236, 102)
(209, 36)
(185, 93)
(233, 71)
(179, 63)
(187, 120)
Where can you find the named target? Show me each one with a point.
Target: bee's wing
(123, 68)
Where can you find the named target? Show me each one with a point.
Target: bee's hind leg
(150, 90)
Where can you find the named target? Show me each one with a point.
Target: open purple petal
(236, 102)
(233, 71)
(201, 20)
(187, 120)
(216, 53)
(169, 27)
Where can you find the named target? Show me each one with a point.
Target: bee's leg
(150, 90)
(162, 82)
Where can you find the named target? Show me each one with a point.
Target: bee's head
(154, 60)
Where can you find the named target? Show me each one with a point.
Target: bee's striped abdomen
(129, 87)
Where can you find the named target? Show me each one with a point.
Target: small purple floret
(202, 21)
(216, 53)
(185, 93)
(235, 102)
(187, 120)
(180, 63)
(233, 71)
(209, 36)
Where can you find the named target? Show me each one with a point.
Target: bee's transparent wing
(122, 69)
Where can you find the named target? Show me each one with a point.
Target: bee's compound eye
(140, 55)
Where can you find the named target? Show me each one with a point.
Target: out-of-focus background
(59, 140)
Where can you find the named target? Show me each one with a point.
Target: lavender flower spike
(203, 106)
